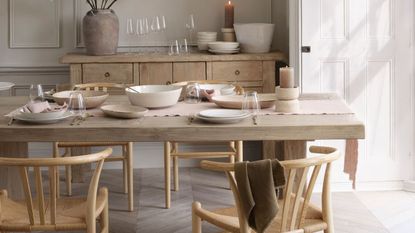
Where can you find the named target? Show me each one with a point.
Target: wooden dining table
(292, 129)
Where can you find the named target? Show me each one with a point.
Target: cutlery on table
(10, 121)
(190, 119)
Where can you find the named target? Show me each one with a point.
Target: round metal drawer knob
(237, 72)
(107, 74)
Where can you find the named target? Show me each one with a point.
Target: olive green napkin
(258, 183)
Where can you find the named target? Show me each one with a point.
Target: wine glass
(36, 93)
(192, 93)
(163, 23)
(155, 24)
(76, 104)
(190, 26)
(251, 104)
(130, 32)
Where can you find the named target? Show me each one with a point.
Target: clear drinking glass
(193, 93)
(251, 103)
(36, 93)
(76, 104)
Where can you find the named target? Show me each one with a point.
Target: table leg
(78, 171)
(10, 176)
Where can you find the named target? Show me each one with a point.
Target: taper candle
(229, 15)
(287, 77)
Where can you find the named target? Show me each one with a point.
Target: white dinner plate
(124, 111)
(226, 120)
(42, 121)
(223, 51)
(223, 113)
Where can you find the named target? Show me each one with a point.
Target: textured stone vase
(101, 29)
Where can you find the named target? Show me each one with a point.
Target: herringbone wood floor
(210, 188)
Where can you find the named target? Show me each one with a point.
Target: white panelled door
(362, 49)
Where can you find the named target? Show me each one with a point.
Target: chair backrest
(98, 86)
(53, 164)
(298, 188)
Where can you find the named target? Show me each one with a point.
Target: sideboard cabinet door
(189, 71)
(156, 73)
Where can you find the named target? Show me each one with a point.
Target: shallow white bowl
(221, 45)
(92, 99)
(254, 37)
(154, 96)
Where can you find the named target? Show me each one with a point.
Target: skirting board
(364, 186)
(409, 186)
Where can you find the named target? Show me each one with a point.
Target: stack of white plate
(203, 38)
(43, 118)
(221, 47)
(222, 116)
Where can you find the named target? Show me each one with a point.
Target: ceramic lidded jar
(101, 31)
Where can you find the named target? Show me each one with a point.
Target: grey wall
(35, 33)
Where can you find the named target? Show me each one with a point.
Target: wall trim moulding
(35, 45)
(44, 70)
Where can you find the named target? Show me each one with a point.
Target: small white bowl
(221, 45)
(154, 96)
(207, 33)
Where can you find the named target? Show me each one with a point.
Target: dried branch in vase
(105, 4)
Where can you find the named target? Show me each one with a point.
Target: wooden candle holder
(229, 34)
(287, 100)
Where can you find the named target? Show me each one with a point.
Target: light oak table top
(100, 128)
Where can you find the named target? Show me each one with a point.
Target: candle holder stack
(287, 100)
(229, 34)
(287, 94)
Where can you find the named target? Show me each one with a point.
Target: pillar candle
(229, 15)
(287, 77)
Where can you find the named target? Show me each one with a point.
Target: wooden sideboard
(252, 71)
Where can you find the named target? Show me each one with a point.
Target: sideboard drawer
(113, 73)
(237, 71)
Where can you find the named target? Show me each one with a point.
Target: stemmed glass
(155, 24)
(190, 27)
(36, 93)
(251, 104)
(130, 32)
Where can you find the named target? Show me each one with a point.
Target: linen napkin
(258, 183)
(351, 156)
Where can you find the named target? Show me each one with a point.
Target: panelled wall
(34, 34)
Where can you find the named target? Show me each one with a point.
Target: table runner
(307, 107)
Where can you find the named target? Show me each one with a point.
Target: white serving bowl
(154, 96)
(220, 89)
(254, 37)
(221, 45)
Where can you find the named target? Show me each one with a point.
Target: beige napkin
(350, 159)
(257, 184)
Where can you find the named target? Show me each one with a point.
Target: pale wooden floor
(361, 212)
